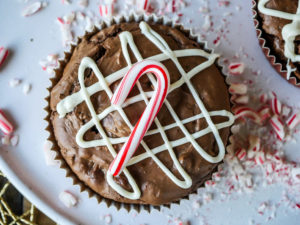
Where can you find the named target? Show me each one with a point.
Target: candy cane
(145, 121)
(3, 55)
(5, 125)
(278, 127)
(293, 120)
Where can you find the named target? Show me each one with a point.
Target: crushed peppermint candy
(143, 5)
(241, 154)
(5, 125)
(50, 155)
(9, 140)
(207, 197)
(66, 2)
(5, 140)
(246, 112)
(3, 54)
(236, 68)
(50, 63)
(14, 140)
(296, 174)
(83, 3)
(293, 120)
(224, 3)
(68, 199)
(238, 88)
(207, 23)
(106, 10)
(107, 218)
(14, 82)
(278, 127)
(276, 105)
(32, 9)
(242, 100)
(66, 32)
(26, 88)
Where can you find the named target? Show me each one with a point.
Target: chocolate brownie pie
(279, 21)
(185, 143)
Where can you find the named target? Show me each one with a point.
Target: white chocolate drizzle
(289, 32)
(70, 102)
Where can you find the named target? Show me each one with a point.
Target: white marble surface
(25, 164)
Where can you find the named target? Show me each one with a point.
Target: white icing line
(68, 104)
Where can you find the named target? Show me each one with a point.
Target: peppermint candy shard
(293, 121)
(276, 105)
(49, 154)
(278, 127)
(238, 88)
(241, 112)
(143, 5)
(106, 10)
(68, 199)
(243, 99)
(3, 54)
(5, 125)
(31, 9)
(236, 68)
(254, 146)
(241, 154)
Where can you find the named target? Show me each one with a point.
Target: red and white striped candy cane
(145, 121)
(5, 125)
(3, 55)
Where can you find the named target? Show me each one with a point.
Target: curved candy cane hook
(145, 121)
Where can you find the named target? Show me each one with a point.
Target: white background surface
(25, 164)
